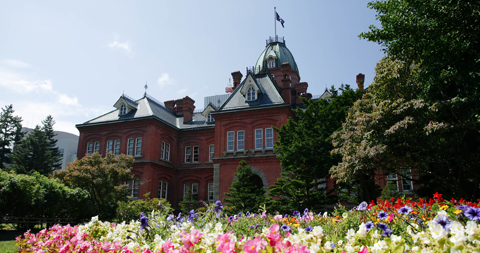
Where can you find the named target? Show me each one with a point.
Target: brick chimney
(286, 82)
(237, 78)
(187, 108)
(360, 81)
(170, 105)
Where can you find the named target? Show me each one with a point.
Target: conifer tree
(245, 195)
(10, 134)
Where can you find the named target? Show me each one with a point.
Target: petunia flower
(473, 213)
(143, 221)
(218, 206)
(405, 210)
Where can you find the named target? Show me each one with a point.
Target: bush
(129, 210)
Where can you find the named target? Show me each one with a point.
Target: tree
(38, 151)
(10, 134)
(103, 178)
(432, 126)
(304, 150)
(247, 193)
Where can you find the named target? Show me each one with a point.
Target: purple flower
(333, 245)
(405, 210)
(305, 212)
(473, 213)
(170, 217)
(464, 208)
(387, 232)
(362, 206)
(285, 228)
(369, 225)
(443, 220)
(382, 215)
(382, 226)
(218, 206)
(247, 214)
(192, 216)
(143, 221)
(308, 229)
(296, 213)
(230, 218)
(239, 214)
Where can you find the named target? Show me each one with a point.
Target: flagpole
(275, 20)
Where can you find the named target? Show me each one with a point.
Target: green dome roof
(278, 51)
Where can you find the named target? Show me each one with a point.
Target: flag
(279, 19)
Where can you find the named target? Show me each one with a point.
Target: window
(130, 147)
(195, 153)
(162, 189)
(188, 154)
(271, 63)
(210, 118)
(407, 185)
(116, 149)
(230, 141)
(211, 152)
(89, 148)
(123, 110)
(268, 137)
(96, 147)
(251, 95)
(258, 138)
(392, 179)
(162, 151)
(138, 146)
(133, 188)
(186, 188)
(193, 188)
(109, 146)
(210, 192)
(167, 152)
(240, 140)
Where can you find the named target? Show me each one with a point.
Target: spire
(146, 87)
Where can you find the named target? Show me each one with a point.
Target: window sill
(138, 156)
(163, 160)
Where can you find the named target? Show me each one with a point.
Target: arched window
(123, 110)
(251, 95)
(271, 63)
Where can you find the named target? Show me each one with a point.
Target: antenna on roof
(146, 87)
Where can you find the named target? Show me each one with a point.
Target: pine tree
(245, 194)
(53, 153)
(10, 134)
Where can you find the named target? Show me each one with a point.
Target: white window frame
(109, 147)
(162, 189)
(89, 148)
(130, 145)
(240, 140)
(186, 187)
(138, 146)
(271, 63)
(251, 94)
(406, 181)
(116, 147)
(188, 154)
(211, 189)
(268, 139)
(167, 152)
(162, 151)
(259, 138)
(393, 178)
(123, 110)
(133, 188)
(96, 147)
(230, 141)
(210, 118)
(195, 154)
(211, 152)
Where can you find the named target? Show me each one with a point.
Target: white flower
(349, 249)
(362, 230)
(328, 246)
(340, 242)
(395, 238)
(470, 227)
(415, 249)
(325, 215)
(458, 238)
(317, 231)
(345, 215)
(456, 228)
(442, 212)
(218, 227)
(314, 248)
(378, 246)
(351, 235)
(376, 235)
(437, 231)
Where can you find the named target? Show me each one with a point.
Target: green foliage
(37, 152)
(304, 151)
(188, 203)
(245, 195)
(103, 178)
(390, 190)
(10, 134)
(39, 196)
(8, 246)
(131, 209)
(422, 107)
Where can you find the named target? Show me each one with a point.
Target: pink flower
(225, 245)
(390, 217)
(263, 214)
(253, 246)
(196, 235)
(278, 217)
(274, 235)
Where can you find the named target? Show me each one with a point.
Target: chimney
(237, 77)
(286, 82)
(170, 105)
(360, 81)
(187, 108)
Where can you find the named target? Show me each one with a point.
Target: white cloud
(182, 91)
(15, 63)
(66, 100)
(20, 83)
(116, 44)
(165, 80)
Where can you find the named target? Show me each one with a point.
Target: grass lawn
(7, 238)
(8, 246)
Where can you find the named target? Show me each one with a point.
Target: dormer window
(271, 63)
(251, 94)
(210, 118)
(123, 110)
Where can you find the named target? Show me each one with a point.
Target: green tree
(103, 178)
(247, 193)
(53, 153)
(188, 203)
(304, 151)
(432, 124)
(10, 134)
(130, 210)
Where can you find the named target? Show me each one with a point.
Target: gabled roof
(125, 100)
(268, 96)
(208, 109)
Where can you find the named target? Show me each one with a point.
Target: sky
(74, 59)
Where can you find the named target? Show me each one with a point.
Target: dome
(274, 55)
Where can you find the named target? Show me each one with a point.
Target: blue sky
(74, 59)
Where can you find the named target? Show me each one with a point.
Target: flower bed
(394, 225)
